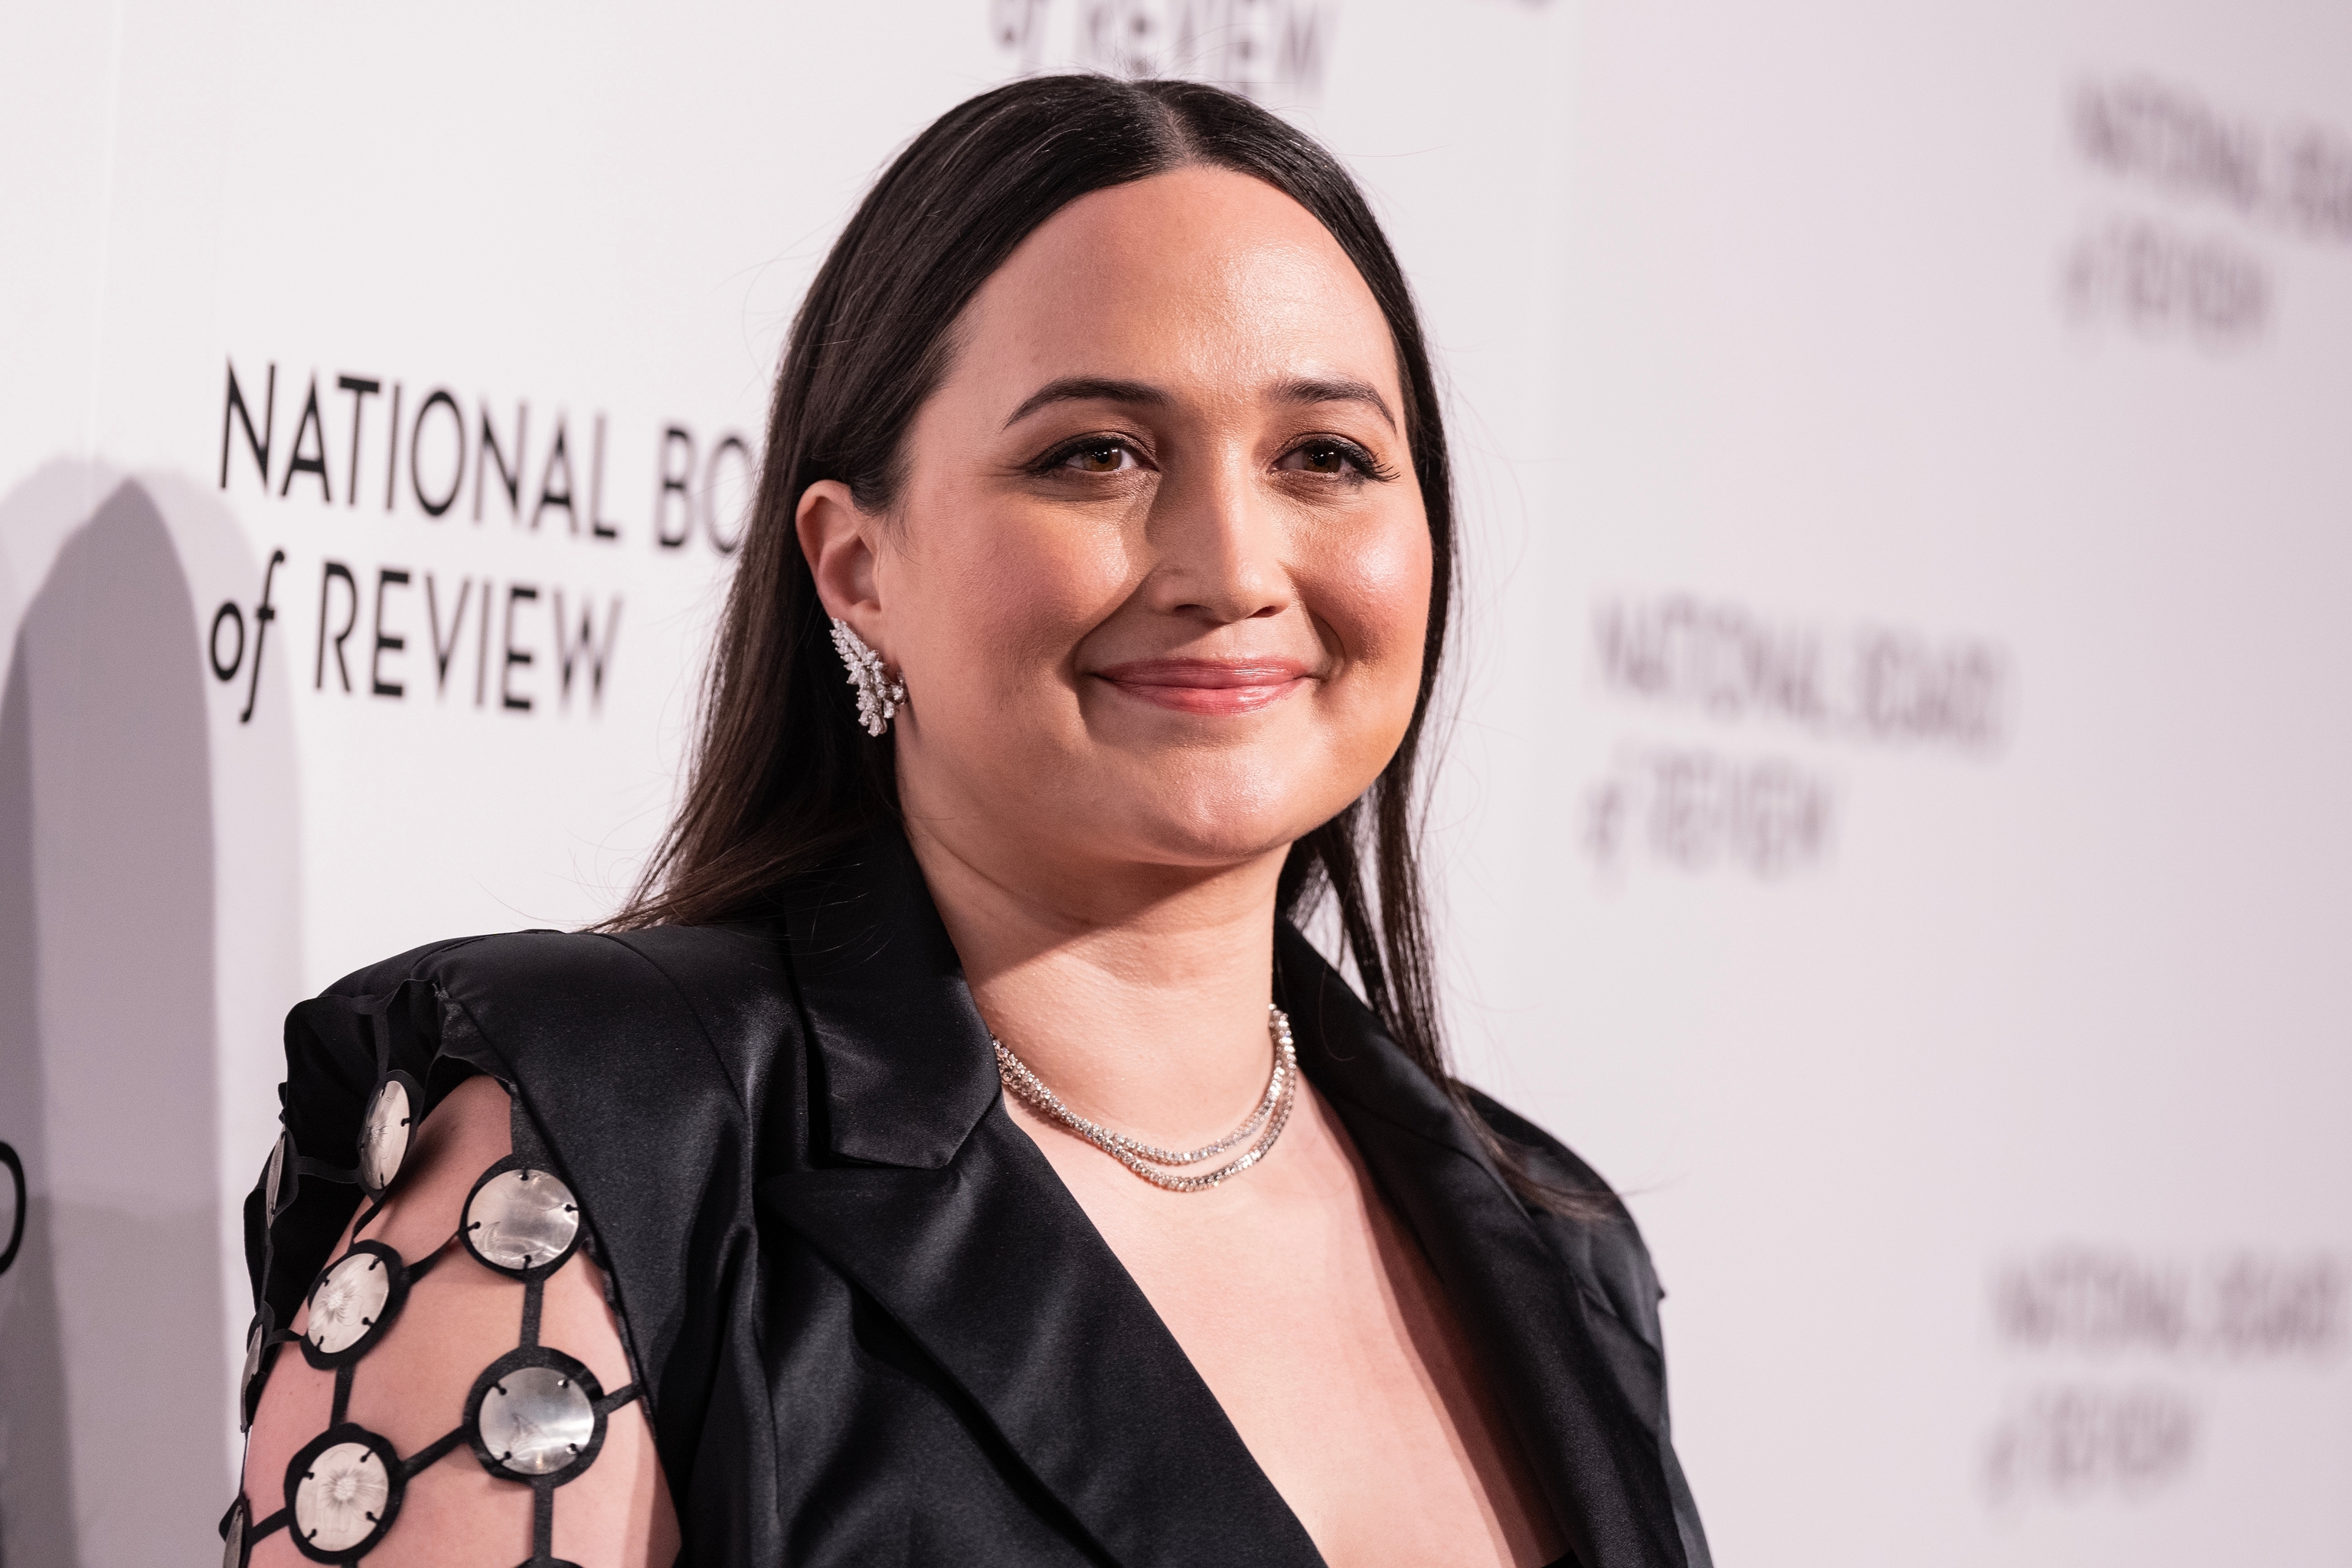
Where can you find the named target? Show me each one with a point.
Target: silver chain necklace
(1157, 1165)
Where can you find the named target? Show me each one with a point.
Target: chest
(1318, 1323)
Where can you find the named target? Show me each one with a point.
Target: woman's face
(1158, 573)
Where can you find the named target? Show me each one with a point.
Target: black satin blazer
(876, 1327)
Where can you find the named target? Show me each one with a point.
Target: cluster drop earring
(879, 692)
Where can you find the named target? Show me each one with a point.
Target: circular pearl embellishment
(341, 1500)
(275, 1192)
(257, 1341)
(384, 1136)
(520, 1220)
(233, 1538)
(348, 1302)
(536, 1421)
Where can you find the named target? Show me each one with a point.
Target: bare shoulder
(455, 1388)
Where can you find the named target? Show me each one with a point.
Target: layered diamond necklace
(1165, 1167)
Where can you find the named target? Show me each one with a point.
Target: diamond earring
(879, 692)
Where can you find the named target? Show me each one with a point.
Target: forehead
(1199, 274)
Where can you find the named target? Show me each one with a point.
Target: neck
(1137, 994)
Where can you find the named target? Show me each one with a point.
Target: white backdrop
(1894, 816)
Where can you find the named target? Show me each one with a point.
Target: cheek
(1372, 592)
(994, 598)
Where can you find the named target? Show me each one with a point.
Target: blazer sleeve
(643, 1062)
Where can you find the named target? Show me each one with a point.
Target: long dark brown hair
(784, 778)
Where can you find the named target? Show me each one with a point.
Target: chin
(1169, 846)
(1221, 827)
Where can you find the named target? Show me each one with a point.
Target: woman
(955, 1153)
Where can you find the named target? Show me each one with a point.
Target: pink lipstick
(1210, 686)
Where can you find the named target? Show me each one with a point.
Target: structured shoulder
(692, 1009)
(1601, 1243)
(648, 1060)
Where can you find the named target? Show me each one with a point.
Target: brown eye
(1331, 459)
(1102, 457)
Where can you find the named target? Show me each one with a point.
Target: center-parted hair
(783, 777)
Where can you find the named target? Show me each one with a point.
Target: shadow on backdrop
(111, 1331)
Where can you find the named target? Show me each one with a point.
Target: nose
(1218, 546)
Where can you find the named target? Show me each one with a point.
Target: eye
(1097, 456)
(1329, 457)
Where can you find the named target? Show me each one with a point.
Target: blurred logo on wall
(2176, 272)
(1724, 674)
(2134, 1354)
(1272, 50)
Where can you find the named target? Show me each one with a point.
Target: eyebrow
(1089, 389)
(1107, 389)
(1335, 389)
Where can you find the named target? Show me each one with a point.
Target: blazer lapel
(933, 1203)
(1581, 1392)
(991, 1266)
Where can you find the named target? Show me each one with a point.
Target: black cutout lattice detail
(533, 1221)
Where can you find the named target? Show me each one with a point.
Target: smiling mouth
(1206, 685)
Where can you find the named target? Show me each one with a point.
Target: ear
(838, 539)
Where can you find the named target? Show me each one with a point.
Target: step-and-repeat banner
(1894, 818)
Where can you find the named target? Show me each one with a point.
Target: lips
(1210, 686)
